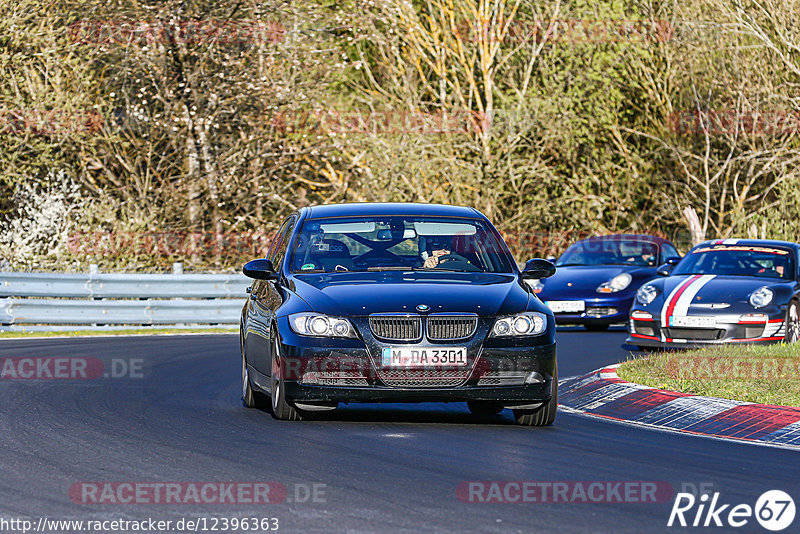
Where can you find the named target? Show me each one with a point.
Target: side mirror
(538, 268)
(551, 259)
(260, 270)
(666, 269)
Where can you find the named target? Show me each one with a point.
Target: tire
(596, 327)
(250, 398)
(545, 415)
(281, 409)
(792, 323)
(643, 348)
(484, 408)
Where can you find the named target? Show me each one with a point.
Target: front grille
(396, 327)
(423, 378)
(451, 327)
(600, 311)
(703, 334)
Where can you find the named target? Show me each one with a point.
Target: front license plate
(566, 306)
(408, 357)
(693, 321)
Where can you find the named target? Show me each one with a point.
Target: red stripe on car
(677, 295)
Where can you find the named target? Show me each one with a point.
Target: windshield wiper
(391, 268)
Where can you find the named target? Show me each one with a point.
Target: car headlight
(523, 324)
(536, 285)
(316, 324)
(618, 283)
(646, 294)
(761, 297)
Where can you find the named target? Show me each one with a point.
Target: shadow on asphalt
(455, 413)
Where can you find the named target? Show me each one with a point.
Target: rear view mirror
(669, 264)
(666, 269)
(260, 270)
(538, 268)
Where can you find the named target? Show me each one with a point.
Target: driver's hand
(431, 262)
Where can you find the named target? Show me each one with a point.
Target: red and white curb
(603, 393)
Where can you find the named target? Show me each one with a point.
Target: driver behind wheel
(438, 250)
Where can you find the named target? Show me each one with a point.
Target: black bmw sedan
(396, 303)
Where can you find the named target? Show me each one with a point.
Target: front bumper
(604, 310)
(326, 371)
(728, 329)
(507, 395)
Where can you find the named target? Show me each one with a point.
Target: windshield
(738, 260)
(399, 243)
(610, 252)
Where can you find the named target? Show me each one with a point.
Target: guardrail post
(177, 268)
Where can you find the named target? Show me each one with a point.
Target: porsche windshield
(610, 252)
(399, 243)
(738, 260)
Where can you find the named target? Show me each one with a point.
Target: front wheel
(250, 398)
(545, 415)
(281, 409)
(792, 334)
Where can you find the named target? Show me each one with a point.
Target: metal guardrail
(47, 301)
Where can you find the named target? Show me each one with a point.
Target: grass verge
(123, 332)
(767, 374)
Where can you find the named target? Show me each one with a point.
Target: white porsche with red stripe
(722, 291)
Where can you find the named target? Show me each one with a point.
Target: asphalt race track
(384, 467)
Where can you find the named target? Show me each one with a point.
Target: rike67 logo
(774, 510)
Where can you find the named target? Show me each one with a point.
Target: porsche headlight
(618, 283)
(761, 297)
(316, 324)
(646, 294)
(524, 324)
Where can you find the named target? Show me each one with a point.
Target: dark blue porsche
(396, 303)
(598, 277)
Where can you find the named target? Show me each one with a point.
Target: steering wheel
(455, 258)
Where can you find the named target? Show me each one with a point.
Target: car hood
(716, 288)
(364, 293)
(587, 277)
